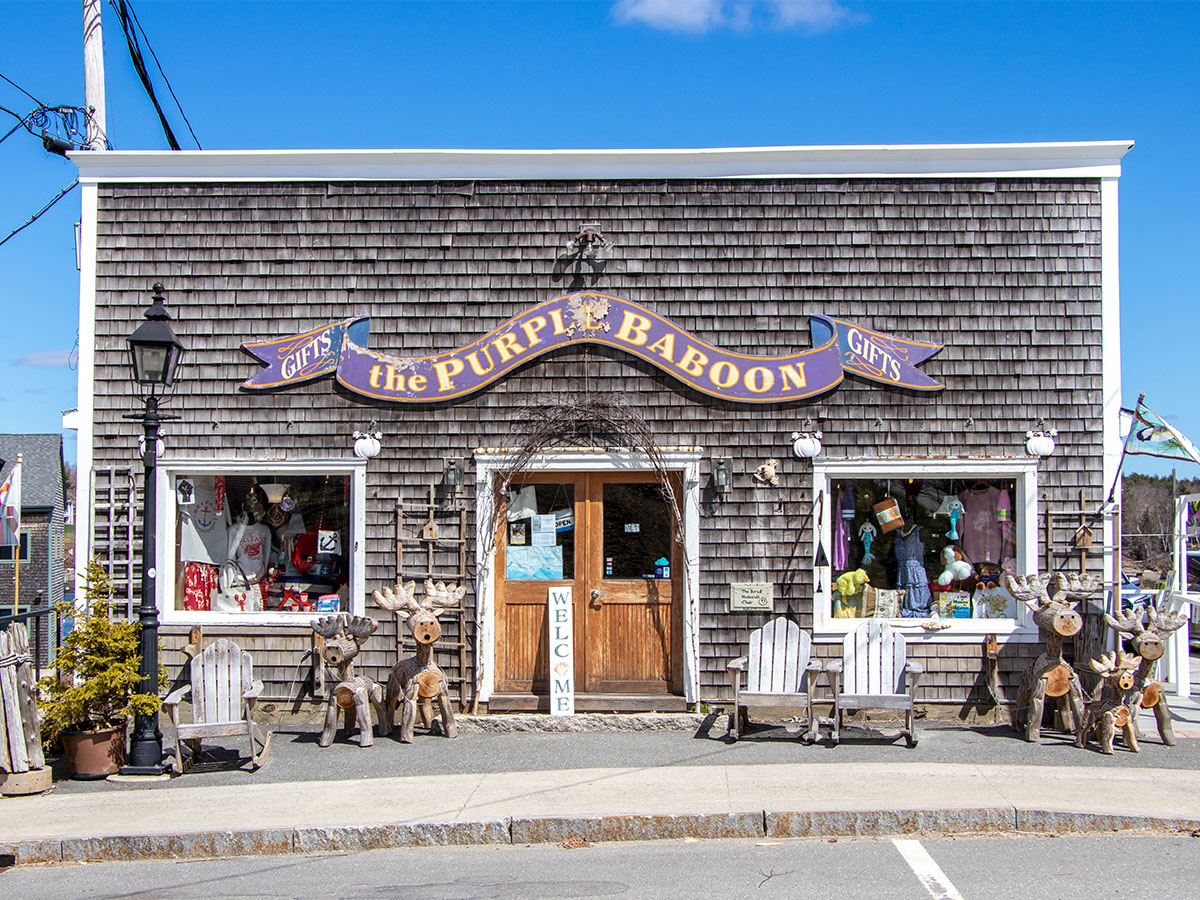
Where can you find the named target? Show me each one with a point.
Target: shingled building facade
(1005, 256)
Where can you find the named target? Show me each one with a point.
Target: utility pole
(93, 74)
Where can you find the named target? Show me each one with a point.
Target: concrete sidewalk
(679, 778)
(654, 802)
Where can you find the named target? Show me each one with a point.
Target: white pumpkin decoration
(366, 444)
(1040, 443)
(806, 444)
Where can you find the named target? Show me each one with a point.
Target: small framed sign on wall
(751, 596)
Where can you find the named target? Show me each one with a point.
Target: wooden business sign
(562, 652)
(839, 346)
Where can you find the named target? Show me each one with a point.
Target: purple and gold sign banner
(839, 346)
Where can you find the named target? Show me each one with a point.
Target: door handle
(597, 598)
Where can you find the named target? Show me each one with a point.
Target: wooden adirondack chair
(872, 674)
(779, 674)
(223, 693)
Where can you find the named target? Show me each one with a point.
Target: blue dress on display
(911, 577)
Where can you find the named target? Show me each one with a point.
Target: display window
(268, 543)
(914, 542)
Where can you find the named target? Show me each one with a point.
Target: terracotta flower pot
(94, 754)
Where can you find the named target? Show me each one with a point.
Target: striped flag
(10, 508)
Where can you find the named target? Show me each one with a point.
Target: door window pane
(637, 531)
(540, 540)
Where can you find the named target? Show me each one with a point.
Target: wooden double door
(610, 538)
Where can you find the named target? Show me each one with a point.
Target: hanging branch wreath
(603, 423)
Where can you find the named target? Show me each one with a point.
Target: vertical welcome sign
(562, 653)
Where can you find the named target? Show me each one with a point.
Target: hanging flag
(10, 508)
(1151, 435)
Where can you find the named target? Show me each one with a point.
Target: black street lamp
(154, 354)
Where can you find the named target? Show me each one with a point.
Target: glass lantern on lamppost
(154, 354)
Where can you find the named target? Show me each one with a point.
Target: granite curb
(216, 844)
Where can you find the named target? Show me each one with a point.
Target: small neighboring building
(41, 551)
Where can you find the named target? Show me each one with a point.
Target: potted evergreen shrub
(88, 701)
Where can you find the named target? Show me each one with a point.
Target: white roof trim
(1092, 159)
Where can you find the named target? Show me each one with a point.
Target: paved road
(1069, 867)
(295, 756)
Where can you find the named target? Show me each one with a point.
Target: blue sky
(630, 73)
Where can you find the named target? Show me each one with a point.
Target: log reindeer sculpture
(1107, 710)
(417, 680)
(1056, 618)
(1148, 646)
(344, 636)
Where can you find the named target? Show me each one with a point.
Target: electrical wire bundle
(132, 27)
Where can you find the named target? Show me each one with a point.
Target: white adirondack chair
(223, 693)
(872, 674)
(779, 674)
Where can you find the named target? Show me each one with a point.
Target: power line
(139, 66)
(37, 215)
(165, 79)
(22, 90)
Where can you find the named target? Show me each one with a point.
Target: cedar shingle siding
(1005, 272)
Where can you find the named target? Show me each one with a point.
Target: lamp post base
(143, 770)
(145, 744)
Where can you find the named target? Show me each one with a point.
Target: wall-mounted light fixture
(589, 242)
(1040, 443)
(452, 475)
(366, 443)
(720, 476)
(806, 444)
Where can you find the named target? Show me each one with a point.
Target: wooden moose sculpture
(344, 636)
(417, 680)
(1148, 645)
(1107, 710)
(1050, 675)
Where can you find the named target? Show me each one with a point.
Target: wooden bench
(872, 674)
(224, 693)
(779, 674)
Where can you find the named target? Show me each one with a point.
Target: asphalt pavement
(676, 777)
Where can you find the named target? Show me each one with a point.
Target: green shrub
(97, 679)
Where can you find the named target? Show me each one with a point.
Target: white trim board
(1076, 159)
(354, 467)
(86, 382)
(488, 462)
(827, 629)
(1110, 371)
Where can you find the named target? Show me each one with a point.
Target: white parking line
(927, 870)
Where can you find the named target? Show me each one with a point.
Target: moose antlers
(1110, 663)
(402, 600)
(359, 628)
(1161, 623)
(1129, 623)
(1032, 590)
(1028, 588)
(1075, 586)
(1164, 623)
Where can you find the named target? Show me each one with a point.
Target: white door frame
(489, 462)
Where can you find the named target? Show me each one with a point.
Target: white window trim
(165, 584)
(488, 462)
(962, 631)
